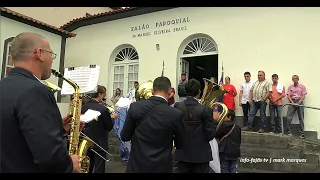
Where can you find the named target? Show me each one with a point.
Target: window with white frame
(7, 63)
(125, 70)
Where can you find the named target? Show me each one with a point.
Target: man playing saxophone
(97, 130)
(31, 123)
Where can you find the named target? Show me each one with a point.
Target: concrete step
(114, 141)
(295, 127)
(114, 149)
(116, 167)
(275, 165)
(249, 170)
(295, 152)
(112, 134)
(116, 158)
(265, 140)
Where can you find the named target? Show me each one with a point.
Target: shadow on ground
(115, 167)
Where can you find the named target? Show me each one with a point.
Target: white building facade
(132, 45)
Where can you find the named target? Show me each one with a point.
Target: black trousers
(186, 167)
(245, 110)
(97, 164)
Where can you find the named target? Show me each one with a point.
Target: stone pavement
(115, 167)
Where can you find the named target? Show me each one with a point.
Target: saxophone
(77, 146)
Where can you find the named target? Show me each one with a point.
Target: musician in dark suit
(98, 130)
(31, 125)
(196, 154)
(152, 126)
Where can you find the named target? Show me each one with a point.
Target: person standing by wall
(116, 96)
(275, 104)
(259, 94)
(183, 80)
(296, 94)
(244, 97)
(228, 98)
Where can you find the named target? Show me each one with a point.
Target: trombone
(298, 105)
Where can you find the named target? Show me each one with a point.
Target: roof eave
(110, 17)
(37, 25)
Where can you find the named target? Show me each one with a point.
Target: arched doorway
(198, 57)
(124, 69)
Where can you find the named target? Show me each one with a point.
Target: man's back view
(152, 125)
(195, 155)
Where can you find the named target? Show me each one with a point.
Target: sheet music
(86, 77)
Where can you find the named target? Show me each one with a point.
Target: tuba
(211, 93)
(144, 90)
(78, 145)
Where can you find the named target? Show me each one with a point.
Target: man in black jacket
(31, 123)
(229, 140)
(98, 130)
(196, 154)
(152, 126)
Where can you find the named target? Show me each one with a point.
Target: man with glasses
(31, 123)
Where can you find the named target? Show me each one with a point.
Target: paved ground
(115, 167)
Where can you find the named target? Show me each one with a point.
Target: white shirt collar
(36, 77)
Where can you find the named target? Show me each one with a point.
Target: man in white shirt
(244, 96)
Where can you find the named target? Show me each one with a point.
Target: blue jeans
(273, 110)
(255, 106)
(228, 166)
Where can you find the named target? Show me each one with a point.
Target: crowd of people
(166, 136)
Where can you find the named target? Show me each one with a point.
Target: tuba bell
(144, 90)
(211, 93)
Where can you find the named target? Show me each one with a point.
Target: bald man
(31, 123)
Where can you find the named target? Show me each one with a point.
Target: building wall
(276, 40)
(10, 28)
(58, 16)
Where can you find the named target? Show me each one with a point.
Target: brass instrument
(52, 87)
(211, 93)
(78, 146)
(144, 90)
